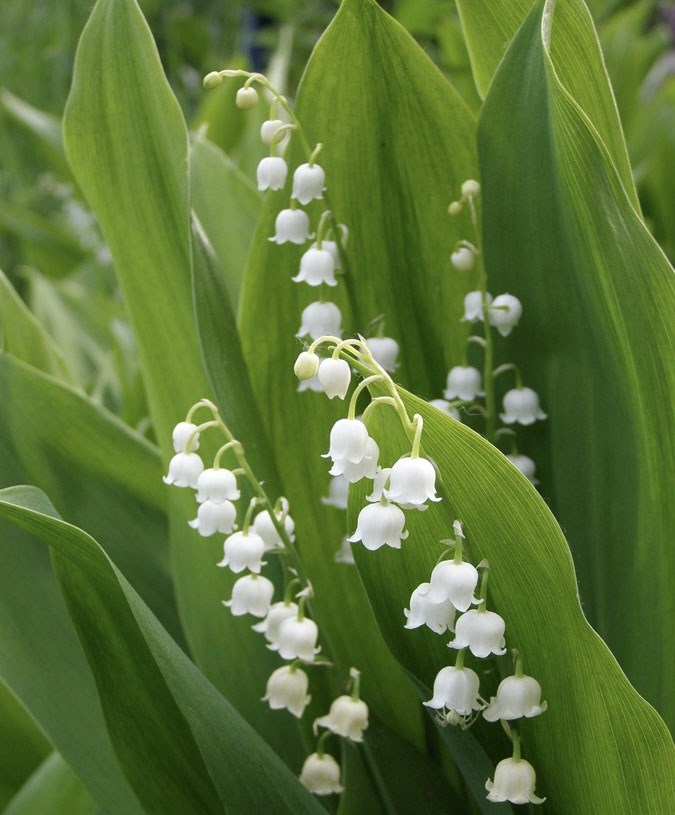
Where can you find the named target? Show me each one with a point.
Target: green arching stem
(418, 423)
(509, 366)
(326, 216)
(315, 152)
(196, 432)
(459, 661)
(519, 663)
(320, 744)
(301, 609)
(378, 400)
(515, 739)
(222, 450)
(356, 686)
(483, 588)
(290, 588)
(252, 504)
(358, 390)
(458, 559)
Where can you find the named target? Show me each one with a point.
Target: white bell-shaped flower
(504, 313)
(181, 433)
(287, 689)
(444, 406)
(517, 696)
(348, 440)
(385, 351)
(347, 717)
(275, 616)
(335, 375)
(308, 183)
(456, 689)
(354, 471)
(243, 551)
(306, 365)
(463, 382)
(184, 470)
(455, 582)
(271, 173)
(269, 131)
(379, 525)
(332, 247)
(291, 226)
(439, 617)
(526, 466)
(217, 485)
(344, 554)
(215, 517)
(251, 594)
(481, 631)
(321, 774)
(263, 525)
(320, 320)
(514, 781)
(521, 405)
(312, 385)
(297, 639)
(379, 483)
(316, 267)
(473, 306)
(412, 482)
(463, 259)
(338, 493)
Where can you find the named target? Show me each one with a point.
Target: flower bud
(180, 436)
(470, 188)
(306, 365)
(212, 79)
(454, 208)
(504, 313)
(269, 131)
(473, 306)
(463, 259)
(246, 98)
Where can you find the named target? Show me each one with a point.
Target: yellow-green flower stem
(290, 590)
(320, 749)
(252, 504)
(459, 660)
(358, 390)
(356, 685)
(228, 446)
(509, 366)
(376, 402)
(519, 663)
(488, 356)
(314, 154)
(515, 739)
(196, 432)
(418, 423)
(301, 609)
(483, 587)
(326, 217)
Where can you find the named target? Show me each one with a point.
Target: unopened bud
(470, 188)
(246, 98)
(454, 208)
(463, 259)
(306, 365)
(212, 80)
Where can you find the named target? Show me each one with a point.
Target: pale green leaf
(52, 789)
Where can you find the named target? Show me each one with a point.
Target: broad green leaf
(574, 51)
(228, 205)
(599, 747)
(183, 747)
(364, 92)
(22, 746)
(52, 789)
(127, 143)
(25, 338)
(595, 340)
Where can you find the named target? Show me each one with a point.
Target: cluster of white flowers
(456, 695)
(465, 383)
(285, 625)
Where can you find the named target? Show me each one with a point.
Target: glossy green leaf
(365, 89)
(22, 335)
(53, 789)
(183, 747)
(599, 747)
(596, 340)
(127, 143)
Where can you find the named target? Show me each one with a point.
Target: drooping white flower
(481, 631)
(306, 365)
(181, 433)
(385, 351)
(517, 696)
(275, 616)
(526, 466)
(521, 405)
(297, 639)
(348, 440)
(332, 247)
(243, 551)
(184, 470)
(335, 375)
(379, 483)
(291, 226)
(321, 774)
(215, 517)
(473, 306)
(246, 98)
(269, 131)
(308, 183)
(456, 689)
(463, 259)
(320, 320)
(263, 525)
(347, 717)
(271, 173)
(514, 782)
(287, 689)
(463, 382)
(455, 582)
(412, 482)
(338, 493)
(444, 406)
(354, 471)
(217, 485)
(344, 554)
(251, 594)
(504, 313)
(316, 267)
(379, 525)
(439, 617)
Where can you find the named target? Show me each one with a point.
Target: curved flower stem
(358, 390)
(196, 432)
(418, 423)
(378, 400)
